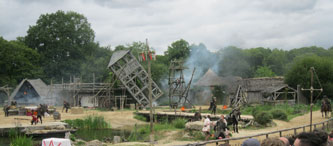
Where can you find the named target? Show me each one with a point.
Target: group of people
(39, 114)
(220, 128)
(315, 138)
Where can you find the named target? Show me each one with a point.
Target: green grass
(140, 118)
(142, 132)
(291, 111)
(90, 122)
(21, 141)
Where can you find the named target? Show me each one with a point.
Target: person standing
(40, 114)
(206, 127)
(213, 106)
(221, 128)
(6, 110)
(66, 106)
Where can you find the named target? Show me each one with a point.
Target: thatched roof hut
(29, 91)
(209, 79)
(264, 89)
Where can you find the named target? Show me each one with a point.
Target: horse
(325, 108)
(233, 119)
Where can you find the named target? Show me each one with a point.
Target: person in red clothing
(34, 119)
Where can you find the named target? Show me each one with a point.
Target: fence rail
(328, 123)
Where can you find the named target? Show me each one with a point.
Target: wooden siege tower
(178, 90)
(133, 76)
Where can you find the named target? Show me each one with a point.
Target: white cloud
(282, 24)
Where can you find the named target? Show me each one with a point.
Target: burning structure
(31, 91)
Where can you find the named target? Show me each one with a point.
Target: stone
(95, 143)
(56, 116)
(197, 125)
(116, 139)
(60, 127)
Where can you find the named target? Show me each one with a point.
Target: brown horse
(325, 108)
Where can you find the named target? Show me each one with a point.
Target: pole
(150, 97)
(311, 95)
(311, 104)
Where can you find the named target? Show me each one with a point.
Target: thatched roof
(209, 79)
(262, 84)
(40, 87)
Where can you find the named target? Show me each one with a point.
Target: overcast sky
(284, 24)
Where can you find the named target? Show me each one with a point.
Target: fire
(182, 109)
(224, 107)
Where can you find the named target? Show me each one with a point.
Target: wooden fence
(325, 125)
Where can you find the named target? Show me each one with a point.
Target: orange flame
(224, 107)
(182, 108)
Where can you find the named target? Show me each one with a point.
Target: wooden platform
(178, 114)
(45, 128)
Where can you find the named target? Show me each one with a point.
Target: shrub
(90, 122)
(179, 123)
(21, 141)
(140, 117)
(263, 118)
(279, 114)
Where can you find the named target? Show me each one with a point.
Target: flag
(150, 56)
(143, 57)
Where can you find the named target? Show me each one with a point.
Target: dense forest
(62, 44)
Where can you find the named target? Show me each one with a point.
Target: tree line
(61, 45)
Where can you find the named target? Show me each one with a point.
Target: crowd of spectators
(315, 138)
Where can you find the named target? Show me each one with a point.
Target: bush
(90, 122)
(179, 123)
(263, 118)
(140, 117)
(279, 114)
(21, 141)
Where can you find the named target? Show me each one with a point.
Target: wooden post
(311, 96)
(150, 96)
(280, 133)
(295, 132)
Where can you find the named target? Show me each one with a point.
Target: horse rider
(327, 102)
(235, 116)
(213, 106)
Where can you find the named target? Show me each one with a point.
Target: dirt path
(295, 122)
(125, 119)
(117, 119)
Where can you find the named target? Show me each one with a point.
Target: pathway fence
(325, 125)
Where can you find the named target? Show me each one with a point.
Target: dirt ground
(117, 119)
(125, 120)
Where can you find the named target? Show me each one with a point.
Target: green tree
(257, 56)
(178, 50)
(264, 71)
(277, 61)
(96, 63)
(234, 62)
(17, 62)
(63, 40)
(300, 74)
